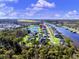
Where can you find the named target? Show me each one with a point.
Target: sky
(39, 9)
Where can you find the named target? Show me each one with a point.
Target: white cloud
(9, 12)
(2, 5)
(57, 15)
(40, 5)
(5, 11)
(72, 14)
(33, 11)
(8, 0)
(43, 3)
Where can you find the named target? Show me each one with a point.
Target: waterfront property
(4, 26)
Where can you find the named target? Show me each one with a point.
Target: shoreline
(71, 29)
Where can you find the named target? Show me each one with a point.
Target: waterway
(73, 36)
(33, 28)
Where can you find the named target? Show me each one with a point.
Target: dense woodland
(11, 49)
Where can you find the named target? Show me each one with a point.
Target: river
(73, 36)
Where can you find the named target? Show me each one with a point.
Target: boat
(74, 32)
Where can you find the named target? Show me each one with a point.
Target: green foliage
(13, 50)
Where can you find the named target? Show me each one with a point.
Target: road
(53, 39)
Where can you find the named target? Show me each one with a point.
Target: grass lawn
(25, 39)
(27, 21)
(53, 39)
(31, 26)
